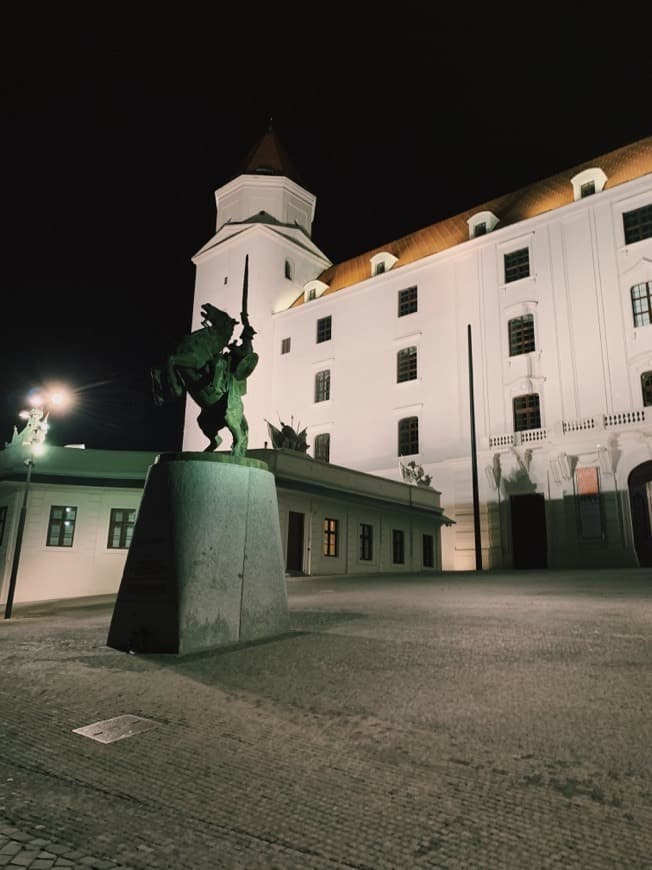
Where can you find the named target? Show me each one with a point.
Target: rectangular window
(61, 527)
(380, 268)
(521, 335)
(406, 364)
(480, 229)
(638, 224)
(323, 447)
(285, 345)
(646, 389)
(407, 301)
(408, 436)
(587, 189)
(398, 546)
(642, 303)
(121, 528)
(323, 386)
(330, 537)
(366, 542)
(323, 329)
(517, 265)
(428, 551)
(3, 522)
(527, 413)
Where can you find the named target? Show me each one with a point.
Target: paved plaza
(461, 720)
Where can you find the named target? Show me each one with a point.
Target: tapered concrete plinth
(205, 565)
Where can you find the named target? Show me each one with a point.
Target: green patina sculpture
(213, 372)
(287, 437)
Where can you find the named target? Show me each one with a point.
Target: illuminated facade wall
(585, 369)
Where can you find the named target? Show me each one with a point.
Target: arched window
(642, 303)
(527, 412)
(323, 386)
(646, 388)
(408, 436)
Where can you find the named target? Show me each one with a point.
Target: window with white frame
(637, 224)
(406, 364)
(323, 386)
(323, 447)
(407, 301)
(588, 182)
(521, 334)
(121, 528)
(646, 388)
(408, 436)
(642, 303)
(517, 265)
(61, 526)
(527, 412)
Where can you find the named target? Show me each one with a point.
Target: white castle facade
(371, 355)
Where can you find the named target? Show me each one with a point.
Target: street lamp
(32, 436)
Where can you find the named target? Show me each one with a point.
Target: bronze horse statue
(213, 372)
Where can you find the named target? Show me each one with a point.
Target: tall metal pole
(19, 541)
(474, 463)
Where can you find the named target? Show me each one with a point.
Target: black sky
(117, 132)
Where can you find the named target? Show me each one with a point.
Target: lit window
(330, 537)
(61, 527)
(323, 386)
(646, 388)
(323, 447)
(428, 551)
(642, 303)
(408, 436)
(406, 364)
(407, 301)
(121, 528)
(521, 335)
(3, 522)
(527, 413)
(398, 546)
(366, 542)
(285, 345)
(638, 224)
(324, 329)
(587, 189)
(517, 265)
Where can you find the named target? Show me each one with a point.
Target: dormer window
(382, 262)
(313, 290)
(588, 182)
(481, 223)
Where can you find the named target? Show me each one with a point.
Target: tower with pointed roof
(264, 212)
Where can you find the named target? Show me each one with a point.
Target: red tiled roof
(621, 165)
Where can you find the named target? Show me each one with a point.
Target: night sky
(118, 131)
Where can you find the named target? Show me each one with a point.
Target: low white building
(371, 355)
(82, 506)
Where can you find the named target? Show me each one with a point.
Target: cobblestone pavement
(463, 720)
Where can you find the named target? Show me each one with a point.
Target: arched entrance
(640, 500)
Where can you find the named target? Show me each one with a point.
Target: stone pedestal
(205, 565)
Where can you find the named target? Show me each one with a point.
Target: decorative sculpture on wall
(414, 474)
(287, 437)
(213, 372)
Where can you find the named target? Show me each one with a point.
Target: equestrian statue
(213, 372)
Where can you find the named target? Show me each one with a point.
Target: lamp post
(32, 436)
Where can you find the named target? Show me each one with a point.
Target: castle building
(372, 354)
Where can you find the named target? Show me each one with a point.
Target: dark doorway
(639, 501)
(529, 541)
(295, 542)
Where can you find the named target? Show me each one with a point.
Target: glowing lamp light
(38, 449)
(35, 400)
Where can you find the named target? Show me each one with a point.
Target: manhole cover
(110, 730)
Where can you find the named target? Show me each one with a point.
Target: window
(638, 224)
(641, 303)
(289, 271)
(407, 301)
(480, 229)
(323, 447)
(646, 389)
(366, 542)
(408, 436)
(324, 329)
(121, 528)
(527, 414)
(517, 265)
(3, 522)
(398, 546)
(428, 551)
(521, 335)
(312, 293)
(587, 189)
(330, 537)
(286, 343)
(380, 268)
(406, 364)
(61, 528)
(323, 386)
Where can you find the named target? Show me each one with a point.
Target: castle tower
(267, 214)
